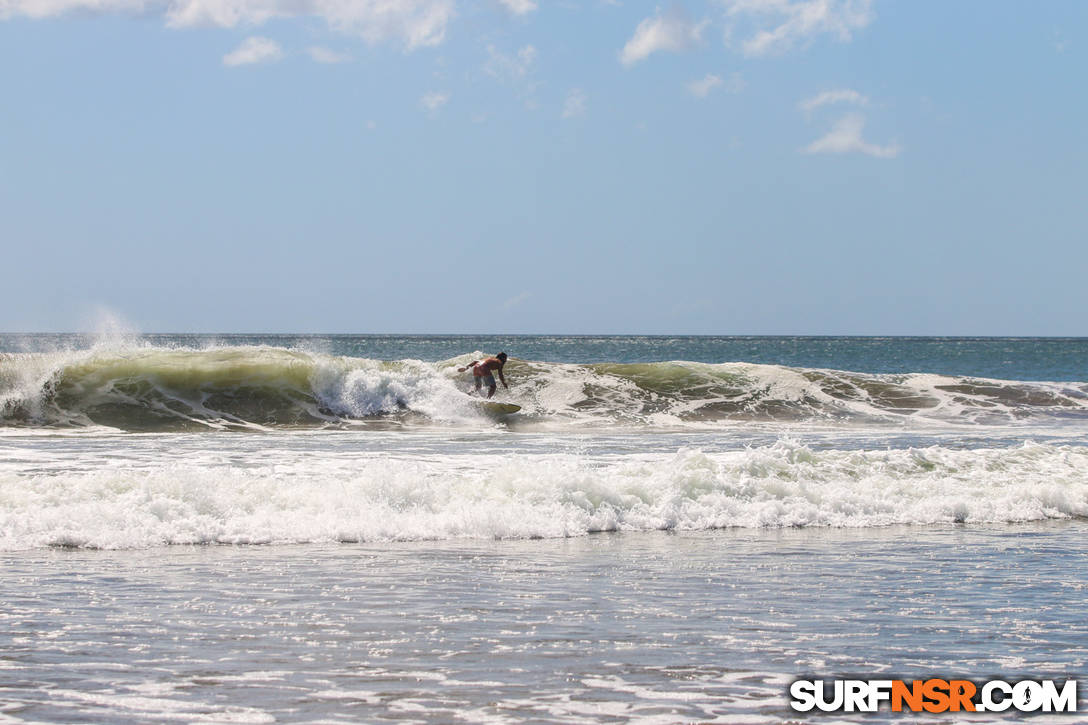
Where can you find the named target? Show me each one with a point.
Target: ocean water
(328, 528)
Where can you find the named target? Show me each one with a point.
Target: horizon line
(564, 334)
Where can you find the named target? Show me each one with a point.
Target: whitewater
(341, 506)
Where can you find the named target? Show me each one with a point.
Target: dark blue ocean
(1009, 358)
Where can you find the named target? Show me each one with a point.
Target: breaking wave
(137, 388)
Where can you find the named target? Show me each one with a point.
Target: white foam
(377, 497)
(356, 388)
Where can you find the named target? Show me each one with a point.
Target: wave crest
(155, 388)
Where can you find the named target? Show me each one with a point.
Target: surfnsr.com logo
(933, 695)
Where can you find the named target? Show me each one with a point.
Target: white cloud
(779, 25)
(221, 13)
(845, 137)
(516, 300)
(519, 7)
(672, 32)
(510, 67)
(324, 55)
(434, 100)
(842, 95)
(702, 88)
(415, 23)
(52, 8)
(254, 50)
(515, 70)
(575, 104)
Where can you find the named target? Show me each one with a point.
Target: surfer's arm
(499, 371)
(469, 366)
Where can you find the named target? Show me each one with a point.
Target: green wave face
(149, 388)
(178, 389)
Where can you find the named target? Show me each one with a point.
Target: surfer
(482, 372)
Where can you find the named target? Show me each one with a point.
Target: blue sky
(510, 166)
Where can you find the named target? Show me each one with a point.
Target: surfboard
(493, 408)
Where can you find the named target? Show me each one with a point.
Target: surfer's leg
(491, 390)
(476, 379)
